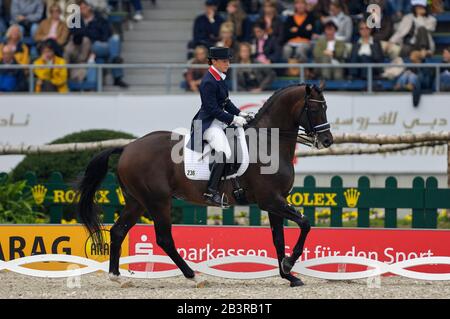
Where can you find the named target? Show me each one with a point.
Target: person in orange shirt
(298, 30)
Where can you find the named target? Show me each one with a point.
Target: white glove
(239, 120)
(247, 115)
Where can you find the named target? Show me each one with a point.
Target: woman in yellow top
(13, 40)
(50, 79)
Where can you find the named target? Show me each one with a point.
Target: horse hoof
(286, 266)
(114, 278)
(297, 283)
(199, 281)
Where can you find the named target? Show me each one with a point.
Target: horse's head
(313, 117)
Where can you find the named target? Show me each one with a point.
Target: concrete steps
(161, 37)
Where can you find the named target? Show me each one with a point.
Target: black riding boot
(213, 196)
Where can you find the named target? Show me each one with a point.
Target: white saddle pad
(197, 168)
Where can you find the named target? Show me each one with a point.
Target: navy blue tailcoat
(215, 105)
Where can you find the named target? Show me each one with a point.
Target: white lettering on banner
(139, 115)
(389, 254)
(208, 253)
(394, 257)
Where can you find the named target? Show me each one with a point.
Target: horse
(150, 179)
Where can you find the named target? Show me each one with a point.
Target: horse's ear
(307, 89)
(322, 85)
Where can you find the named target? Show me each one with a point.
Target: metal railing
(170, 67)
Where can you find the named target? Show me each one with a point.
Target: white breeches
(217, 139)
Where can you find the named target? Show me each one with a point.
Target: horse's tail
(87, 210)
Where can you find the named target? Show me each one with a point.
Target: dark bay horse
(149, 179)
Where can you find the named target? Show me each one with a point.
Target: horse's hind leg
(163, 228)
(276, 225)
(128, 218)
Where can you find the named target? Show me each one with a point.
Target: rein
(309, 135)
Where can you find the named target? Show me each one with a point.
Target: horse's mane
(266, 106)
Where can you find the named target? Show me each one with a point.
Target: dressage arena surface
(97, 285)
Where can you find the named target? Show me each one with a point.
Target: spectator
(102, 6)
(385, 31)
(62, 4)
(237, 16)
(445, 73)
(105, 45)
(2, 19)
(330, 50)
(265, 48)
(343, 22)
(194, 76)
(366, 50)
(53, 28)
(27, 13)
(297, 33)
(227, 39)
(272, 22)
(414, 31)
(50, 79)
(320, 9)
(415, 79)
(14, 40)
(251, 6)
(252, 80)
(137, 5)
(207, 26)
(400, 8)
(78, 50)
(11, 80)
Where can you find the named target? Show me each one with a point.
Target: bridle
(310, 135)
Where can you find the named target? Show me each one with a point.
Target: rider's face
(222, 64)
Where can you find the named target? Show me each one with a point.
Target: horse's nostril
(326, 142)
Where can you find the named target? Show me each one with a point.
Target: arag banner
(27, 240)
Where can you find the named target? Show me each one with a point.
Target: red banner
(200, 243)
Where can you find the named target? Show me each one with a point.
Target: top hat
(219, 53)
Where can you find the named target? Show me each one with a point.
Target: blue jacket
(215, 101)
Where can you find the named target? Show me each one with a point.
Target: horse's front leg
(280, 207)
(276, 225)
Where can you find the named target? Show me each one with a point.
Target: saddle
(197, 166)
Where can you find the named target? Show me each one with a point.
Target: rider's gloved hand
(246, 115)
(239, 121)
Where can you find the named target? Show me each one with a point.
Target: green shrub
(16, 203)
(69, 164)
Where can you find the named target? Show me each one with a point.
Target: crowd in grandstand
(257, 31)
(37, 32)
(322, 31)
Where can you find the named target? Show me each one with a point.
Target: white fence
(374, 267)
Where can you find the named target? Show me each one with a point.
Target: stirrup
(223, 200)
